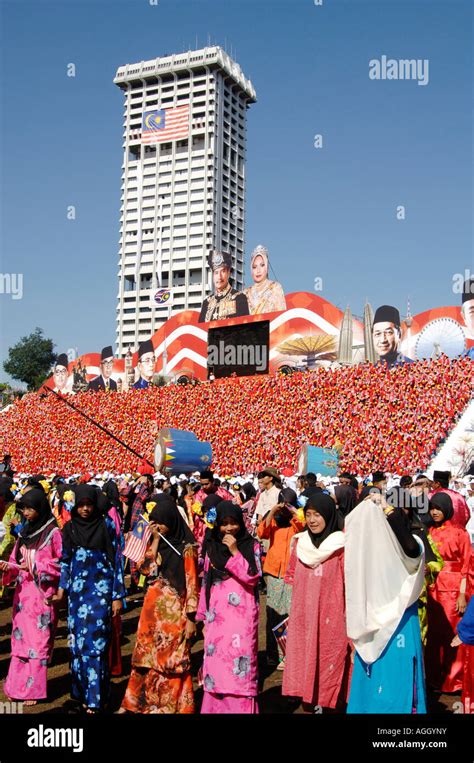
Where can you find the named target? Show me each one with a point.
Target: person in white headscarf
(264, 296)
(384, 575)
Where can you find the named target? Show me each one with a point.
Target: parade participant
(115, 512)
(311, 486)
(92, 577)
(270, 483)
(228, 605)
(140, 496)
(447, 598)
(146, 364)
(160, 681)
(34, 564)
(378, 486)
(433, 559)
(317, 663)
(11, 518)
(208, 487)
(249, 495)
(104, 381)
(346, 498)
(278, 528)
(264, 296)
(465, 635)
(384, 576)
(440, 483)
(387, 334)
(226, 302)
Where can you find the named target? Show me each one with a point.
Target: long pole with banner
(99, 426)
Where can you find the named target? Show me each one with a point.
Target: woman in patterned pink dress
(229, 606)
(34, 563)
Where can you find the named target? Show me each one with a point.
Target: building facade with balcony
(183, 197)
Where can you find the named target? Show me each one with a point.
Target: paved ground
(59, 701)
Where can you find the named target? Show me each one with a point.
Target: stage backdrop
(306, 334)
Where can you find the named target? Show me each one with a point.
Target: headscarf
(324, 505)
(381, 580)
(314, 548)
(111, 490)
(218, 552)
(346, 498)
(260, 251)
(249, 491)
(179, 535)
(90, 533)
(34, 534)
(443, 502)
(400, 498)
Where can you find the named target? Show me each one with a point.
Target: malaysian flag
(165, 124)
(280, 632)
(137, 541)
(28, 555)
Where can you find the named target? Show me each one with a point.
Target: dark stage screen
(240, 350)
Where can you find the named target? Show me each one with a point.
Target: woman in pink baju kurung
(447, 598)
(317, 664)
(36, 558)
(229, 606)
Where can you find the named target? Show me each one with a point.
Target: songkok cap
(387, 314)
(439, 476)
(106, 353)
(145, 347)
(62, 360)
(468, 290)
(219, 260)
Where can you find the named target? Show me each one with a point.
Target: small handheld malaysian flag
(137, 541)
(280, 632)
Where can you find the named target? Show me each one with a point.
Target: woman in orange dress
(447, 598)
(160, 681)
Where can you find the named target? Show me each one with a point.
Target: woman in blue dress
(384, 576)
(92, 577)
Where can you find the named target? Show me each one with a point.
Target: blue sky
(327, 212)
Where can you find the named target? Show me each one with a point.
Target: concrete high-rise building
(183, 196)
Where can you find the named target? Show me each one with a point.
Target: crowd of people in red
(376, 416)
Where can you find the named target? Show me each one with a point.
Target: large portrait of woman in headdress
(264, 296)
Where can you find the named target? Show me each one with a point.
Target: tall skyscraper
(183, 183)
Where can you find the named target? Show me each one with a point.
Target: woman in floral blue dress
(92, 576)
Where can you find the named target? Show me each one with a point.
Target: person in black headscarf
(11, 517)
(447, 597)
(248, 496)
(317, 663)
(403, 500)
(112, 506)
(229, 606)
(346, 498)
(34, 563)
(92, 576)
(160, 681)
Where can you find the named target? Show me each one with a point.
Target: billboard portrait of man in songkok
(467, 310)
(226, 302)
(146, 364)
(387, 335)
(60, 374)
(264, 296)
(104, 380)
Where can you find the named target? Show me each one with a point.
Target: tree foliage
(30, 360)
